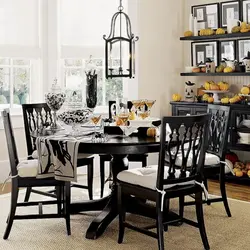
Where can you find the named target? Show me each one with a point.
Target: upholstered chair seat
(28, 168)
(146, 177)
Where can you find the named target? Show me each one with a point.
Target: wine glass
(136, 105)
(149, 104)
(95, 118)
(142, 112)
(122, 112)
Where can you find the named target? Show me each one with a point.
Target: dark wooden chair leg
(160, 227)
(27, 195)
(67, 206)
(122, 215)
(206, 186)
(102, 175)
(59, 199)
(181, 206)
(166, 211)
(90, 179)
(144, 162)
(14, 197)
(223, 191)
(200, 219)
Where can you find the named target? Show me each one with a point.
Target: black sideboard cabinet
(238, 113)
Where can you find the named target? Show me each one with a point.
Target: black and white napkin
(57, 158)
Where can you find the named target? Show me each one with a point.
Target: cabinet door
(182, 111)
(237, 117)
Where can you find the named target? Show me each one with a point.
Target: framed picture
(243, 48)
(207, 15)
(201, 51)
(246, 11)
(230, 10)
(228, 50)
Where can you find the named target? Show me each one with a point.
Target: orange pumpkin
(214, 87)
(210, 99)
(151, 132)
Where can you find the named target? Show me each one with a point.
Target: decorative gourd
(207, 86)
(210, 99)
(214, 86)
(225, 100)
(188, 33)
(236, 29)
(205, 97)
(239, 173)
(231, 156)
(245, 91)
(228, 70)
(248, 173)
(220, 31)
(176, 97)
(151, 132)
(223, 86)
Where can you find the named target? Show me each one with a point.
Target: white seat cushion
(210, 159)
(146, 177)
(34, 154)
(28, 168)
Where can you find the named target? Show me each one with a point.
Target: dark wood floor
(234, 191)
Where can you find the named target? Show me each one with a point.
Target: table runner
(57, 157)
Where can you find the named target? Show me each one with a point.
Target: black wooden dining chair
(161, 183)
(107, 158)
(216, 152)
(36, 116)
(23, 175)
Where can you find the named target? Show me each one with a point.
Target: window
(44, 39)
(20, 52)
(14, 81)
(82, 26)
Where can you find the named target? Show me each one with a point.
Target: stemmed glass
(142, 113)
(149, 104)
(122, 112)
(95, 118)
(136, 104)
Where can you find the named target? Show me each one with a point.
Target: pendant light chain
(120, 8)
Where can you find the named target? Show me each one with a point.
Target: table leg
(101, 222)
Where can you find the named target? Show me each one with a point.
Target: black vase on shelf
(91, 91)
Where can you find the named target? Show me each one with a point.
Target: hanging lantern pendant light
(119, 48)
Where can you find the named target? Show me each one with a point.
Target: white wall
(160, 51)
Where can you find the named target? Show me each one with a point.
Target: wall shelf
(216, 37)
(217, 74)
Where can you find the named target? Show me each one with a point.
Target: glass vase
(91, 92)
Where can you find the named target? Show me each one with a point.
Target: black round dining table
(118, 147)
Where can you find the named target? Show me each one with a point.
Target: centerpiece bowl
(75, 118)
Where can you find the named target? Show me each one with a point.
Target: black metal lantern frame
(126, 41)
